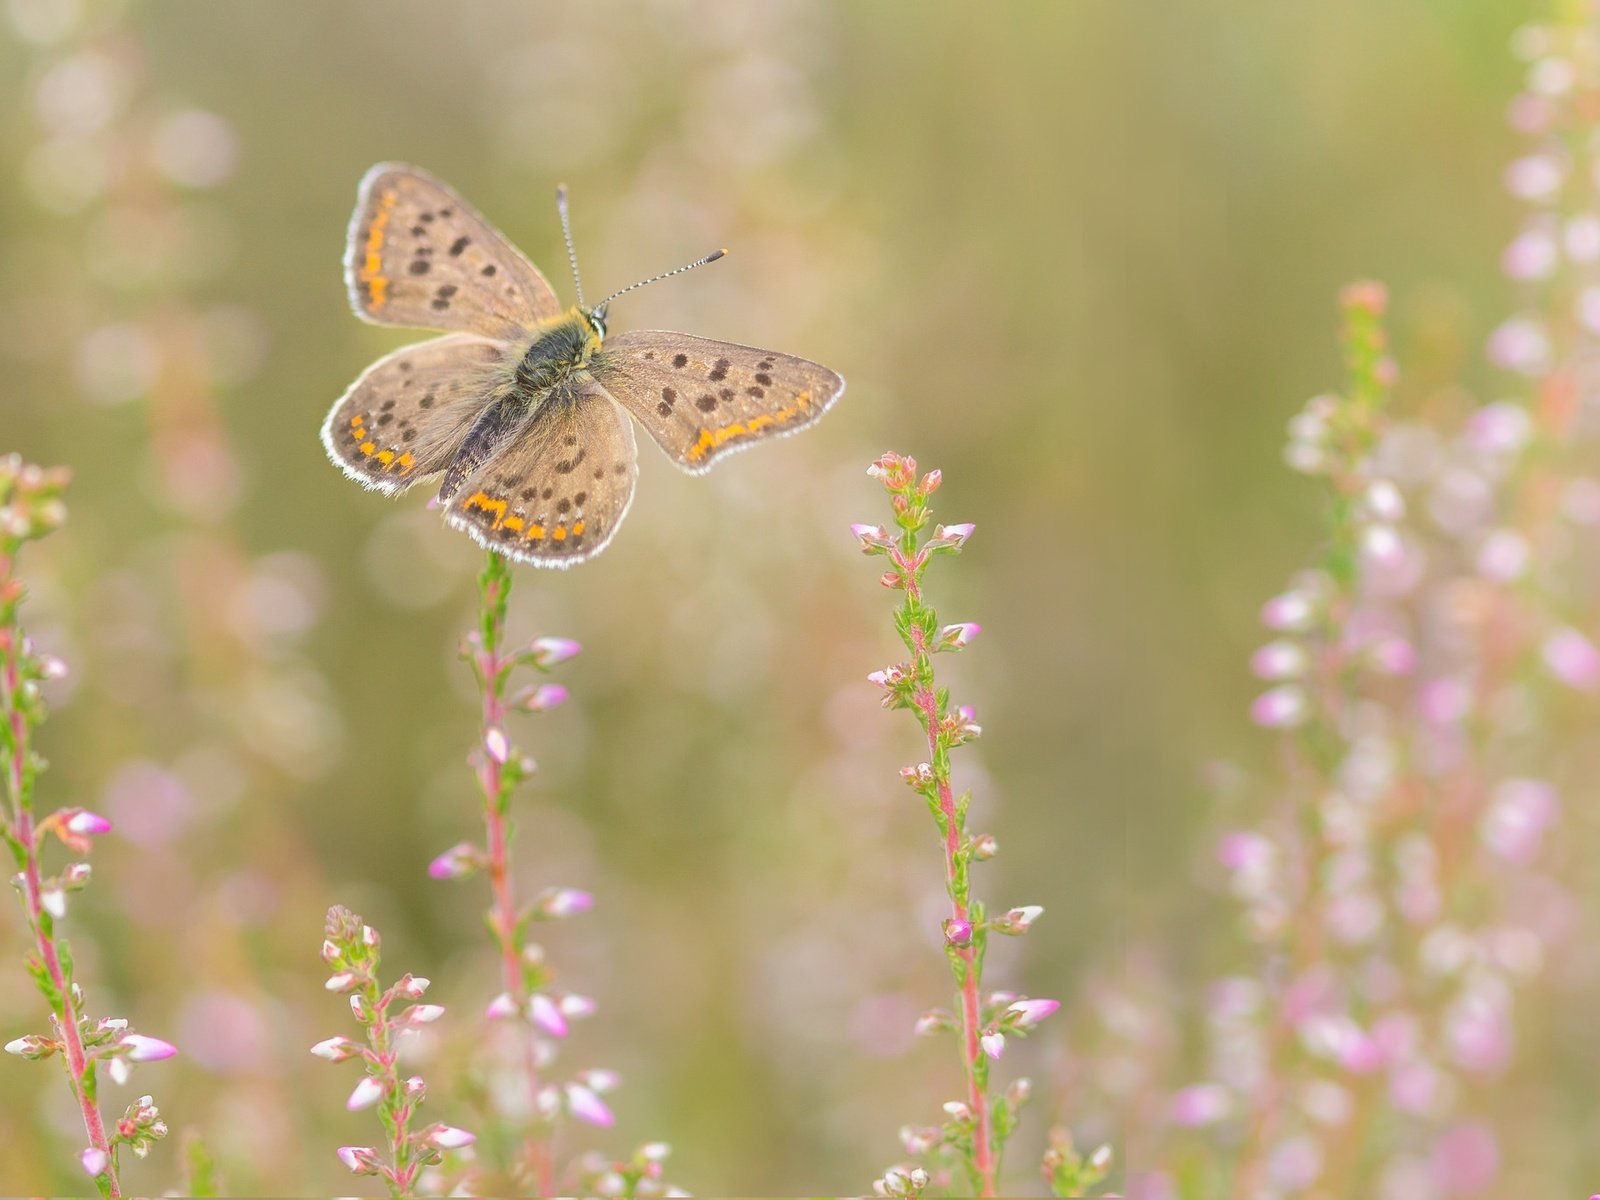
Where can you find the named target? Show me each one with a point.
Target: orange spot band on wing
(367, 448)
(710, 439)
(560, 533)
(406, 461)
(535, 532)
(488, 504)
(577, 529)
(513, 523)
(372, 269)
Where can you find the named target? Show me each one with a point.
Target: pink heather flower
(502, 1006)
(548, 651)
(1201, 1104)
(1503, 556)
(1030, 1012)
(54, 901)
(1279, 660)
(1531, 255)
(146, 1049)
(460, 860)
(448, 1137)
(1281, 708)
(950, 536)
(957, 932)
(1535, 177)
(335, 1049)
(577, 1007)
(1382, 547)
(342, 982)
(930, 482)
(1291, 612)
(1582, 238)
(874, 539)
(993, 1043)
(1018, 920)
(94, 1160)
(1244, 852)
(363, 1160)
(958, 1111)
(599, 1079)
(546, 1014)
(412, 987)
(958, 637)
(586, 1106)
(367, 1093)
(1514, 825)
(85, 823)
(565, 902)
(422, 1014)
(1466, 1160)
(1520, 344)
(541, 698)
(1499, 428)
(496, 744)
(31, 1046)
(1573, 659)
(930, 1023)
(1415, 1087)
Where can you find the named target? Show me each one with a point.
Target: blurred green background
(1082, 257)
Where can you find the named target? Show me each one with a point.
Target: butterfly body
(523, 406)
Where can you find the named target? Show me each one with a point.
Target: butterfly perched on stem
(523, 405)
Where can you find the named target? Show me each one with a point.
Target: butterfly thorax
(556, 349)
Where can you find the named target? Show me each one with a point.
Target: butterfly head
(594, 320)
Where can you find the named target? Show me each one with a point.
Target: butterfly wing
(421, 256)
(554, 493)
(703, 399)
(405, 417)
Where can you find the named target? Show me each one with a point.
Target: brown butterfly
(522, 406)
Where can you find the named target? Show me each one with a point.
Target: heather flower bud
(1290, 612)
(362, 1160)
(874, 539)
(1019, 1092)
(950, 537)
(918, 776)
(366, 1093)
(1281, 708)
(935, 1020)
(343, 981)
(1279, 660)
(84, 823)
(588, 1107)
(496, 744)
(412, 987)
(502, 1006)
(76, 876)
(958, 1111)
(577, 1007)
(556, 903)
(1017, 920)
(414, 1088)
(457, 862)
(147, 1049)
(31, 1047)
(918, 1140)
(336, 1049)
(54, 901)
(448, 1137)
(546, 1014)
(540, 698)
(957, 932)
(94, 1160)
(957, 637)
(1024, 1014)
(548, 651)
(600, 1079)
(993, 1043)
(985, 847)
(422, 1014)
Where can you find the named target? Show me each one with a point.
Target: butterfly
(524, 407)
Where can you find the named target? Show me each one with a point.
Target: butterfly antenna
(699, 262)
(566, 232)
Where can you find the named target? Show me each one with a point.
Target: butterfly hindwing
(421, 256)
(557, 489)
(702, 399)
(405, 417)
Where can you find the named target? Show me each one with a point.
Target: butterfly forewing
(703, 399)
(405, 417)
(419, 255)
(555, 493)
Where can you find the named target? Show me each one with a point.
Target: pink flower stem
(492, 671)
(65, 1014)
(977, 1068)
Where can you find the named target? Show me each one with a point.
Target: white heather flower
(367, 1093)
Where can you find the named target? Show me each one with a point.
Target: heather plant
(30, 508)
(973, 1135)
(351, 949)
(524, 1111)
